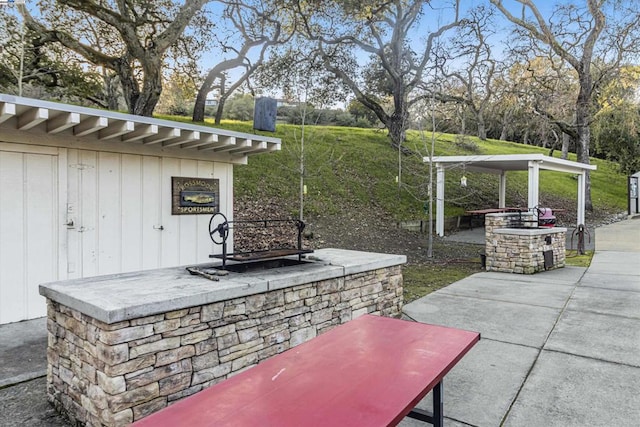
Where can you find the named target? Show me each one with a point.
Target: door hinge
(82, 166)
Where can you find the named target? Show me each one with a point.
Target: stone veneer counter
(123, 346)
(521, 250)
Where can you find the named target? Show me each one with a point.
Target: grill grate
(219, 229)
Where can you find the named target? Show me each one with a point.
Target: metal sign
(264, 114)
(192, 196)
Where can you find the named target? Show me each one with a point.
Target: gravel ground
(377, 234)
(26, 405)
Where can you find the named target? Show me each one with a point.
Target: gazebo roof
(51, 119)
(512, 162)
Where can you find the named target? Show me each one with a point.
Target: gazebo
(500, 165)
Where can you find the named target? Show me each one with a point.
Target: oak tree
(254, 26)
(143, 32)
(470, 65)
(594, 39)
(393, 35)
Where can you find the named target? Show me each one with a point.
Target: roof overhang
(59, 124)
(511, 162)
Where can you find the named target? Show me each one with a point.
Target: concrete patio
(559, 348)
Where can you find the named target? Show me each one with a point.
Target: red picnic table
(371, 371)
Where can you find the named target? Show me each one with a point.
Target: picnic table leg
(438, 406)
(437, 417)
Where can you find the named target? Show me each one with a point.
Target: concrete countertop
(125, 296)
(530, 231)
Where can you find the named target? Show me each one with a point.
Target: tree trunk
(198, 107)
(463, 123)
(130, 88)
(397, 132)
(110, 90)
(220, 110)
(201, 98)
(398, 120)
(583, 118)
(566, 142)
(140, 103)
(482, 130)
(503, 132)
(582, 151)
(151, 89)
(506, 119)
(131, 93)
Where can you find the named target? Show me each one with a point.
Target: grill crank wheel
(219, 228)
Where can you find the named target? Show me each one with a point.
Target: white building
(86, 192)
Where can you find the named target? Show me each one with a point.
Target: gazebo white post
(439, 199)
(534, 183)
(581, 197)
(502, 189)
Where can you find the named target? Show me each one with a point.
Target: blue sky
(441, 12)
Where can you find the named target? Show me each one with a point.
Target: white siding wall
(120, 209)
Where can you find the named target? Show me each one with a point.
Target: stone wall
(113, 374)
(521, 250)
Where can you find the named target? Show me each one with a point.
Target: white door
(29, 230)
(115, 203)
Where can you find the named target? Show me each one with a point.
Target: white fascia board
(481, 169)
(520, 161)
(247, 146)
(560, 165)
(256, 147)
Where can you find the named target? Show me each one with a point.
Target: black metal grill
(219, 229)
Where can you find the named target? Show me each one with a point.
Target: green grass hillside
(357, 168)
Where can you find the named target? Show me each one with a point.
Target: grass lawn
(421, 280)
(576, 260)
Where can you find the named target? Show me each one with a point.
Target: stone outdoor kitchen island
(123, 346)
